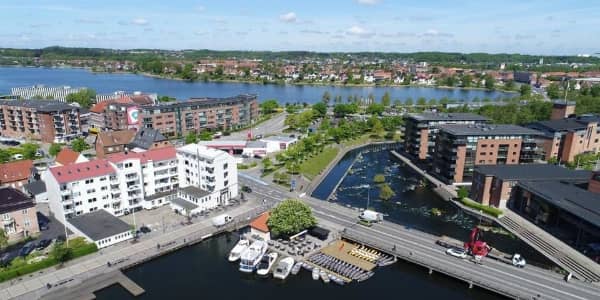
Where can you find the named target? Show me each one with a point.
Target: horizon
(341, 26)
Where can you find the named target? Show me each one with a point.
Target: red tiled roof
(113, 138)
(15, 171)
(260, 223)
(153, 155)
(83, 170)
(66, 156)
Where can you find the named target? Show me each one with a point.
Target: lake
(109, 82)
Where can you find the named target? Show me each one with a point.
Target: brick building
(109, 142)
(18, 213)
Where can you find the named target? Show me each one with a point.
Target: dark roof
(203, 102)
(158, 195)
(533, 172)
(484, 130)
(578, 201)
(12, 199)
(447, 117)
(40, 105)
(194, 191)
(145, 137)
(36, 187)
(187, 205)
(569, 124)
(99, 224)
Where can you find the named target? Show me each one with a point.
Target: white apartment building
(58, 93)
(119, 184)
(207, 178)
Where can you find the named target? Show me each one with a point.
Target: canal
(203, 272)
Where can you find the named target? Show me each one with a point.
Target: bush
(490, 210)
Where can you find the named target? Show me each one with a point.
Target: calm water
(203, 272)
(108, 83)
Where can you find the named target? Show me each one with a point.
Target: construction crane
(475, 246)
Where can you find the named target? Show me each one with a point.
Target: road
(273, 126)
(530, 282)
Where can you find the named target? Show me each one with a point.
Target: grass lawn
(316, 164)
(490, 210)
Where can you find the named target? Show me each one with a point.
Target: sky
(507, 26)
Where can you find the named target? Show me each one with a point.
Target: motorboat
(283, 268)
(315, 273)
(238, 249)
(324, 276)
(252, 256)
(296, 268)
(266, 263)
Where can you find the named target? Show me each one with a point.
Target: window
(24, 211)
(88, 181)
(104, 188)
(102, 178)
(6, 217)
(27, 223)
(482, 153)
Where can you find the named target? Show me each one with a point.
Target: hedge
(490, 210)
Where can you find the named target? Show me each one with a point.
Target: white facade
(58, 93)
(211, 170)
(105, 242)
(278, 143)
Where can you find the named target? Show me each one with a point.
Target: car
(145, 229)
(30, 246)
(457, 252)
(43, 225)
(39, 153)
(246, 189)
(17, 156)
(258, 136)
(42, 244)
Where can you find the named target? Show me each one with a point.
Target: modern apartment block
(18, 214)
(207, 178)
(46, 121)
(119, 184)
(196, 114)
(459, 148)
(118, 114)
(563, 139)
(58, 93)
(421, 130)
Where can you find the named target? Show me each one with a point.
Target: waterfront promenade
(123, 255)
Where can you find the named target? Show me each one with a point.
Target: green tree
(290, 217)
(386, 99)
(409, 101)
(525, 90)
(4, 155)
(421, 101)
(79, 145)
(379, 178)
(61, 253)
(3, 238)
(553, 91)
(320, 109)
(376, 126)
(188, 72)
(54, 149)
(85, 98)
(29, 150)
(386, 192)
(191, 138)
(490, 83)
(205, 136)
(166, 99)
(375, 109)
(269, 106)
(509, 84)
(432, 102)
(326, 97)
(267, 164)
(466, 80)
(462, 192)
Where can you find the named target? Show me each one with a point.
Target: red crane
(475, 246)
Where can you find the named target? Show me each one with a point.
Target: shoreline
(299, 84)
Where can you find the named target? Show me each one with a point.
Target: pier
(86, 289)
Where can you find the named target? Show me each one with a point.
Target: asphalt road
(530, 282)
(273, 126)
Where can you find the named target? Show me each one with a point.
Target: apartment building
(459, 148)
(119, 184)
(421, 130)
(46, 121)
(58, 93)
(118, 113)
(18, 213)
(207, 178)
(196, 114)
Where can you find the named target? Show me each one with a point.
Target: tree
(267, 164)
(4, 155)
(386, 99)
(525, 90)
(54, 149)
(509, 84)
(553, 91)
(188, 72)
(29, 150)
(85, 97)
(61, 253)
(79, 145)
(421, 101)
(205, 136)
(490, 83)
(3, 238)
(466, 80)
(326, 97)
(320, 109)
(166, 99)
(269, 106)
(376, 126)
(375, 109)
(379, 178)
(432, 102)
(290, 217)
(386, 192)
(409, 102)
(462, 192)
(191, 138)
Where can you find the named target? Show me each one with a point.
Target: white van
(17, 156)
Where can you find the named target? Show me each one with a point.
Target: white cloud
(139, 21)
(360, 32)
(368, 2)
(288, 17)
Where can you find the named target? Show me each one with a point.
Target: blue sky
(524, 26)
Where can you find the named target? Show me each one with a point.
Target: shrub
(490, 210)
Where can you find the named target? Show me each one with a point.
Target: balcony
(8, 221)
(133, 187)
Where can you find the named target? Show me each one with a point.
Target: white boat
(266, 263)
(325, 277)
(283, 268)
(297, 268)
(315, 273)
(238, 249)
(252, 256)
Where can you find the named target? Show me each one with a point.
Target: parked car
(17, 156)
(42, 244)
(30, 246)
(145, 229)
(246, 189)
(39, 153)
(258, 136)
(5, 259)
(457, 252)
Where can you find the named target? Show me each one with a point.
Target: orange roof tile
(66, 156)
(15, 171)
(260, 223)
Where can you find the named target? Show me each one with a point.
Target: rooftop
(13, 199)
(203, 102)
(260, 223)
(82, 170)
(145, 137)
(256, 144)
(203, 151)
(35, 188)
(569, 124)
(194, 191)
(533, 172)
(15, 171)
(485, 130)
(447, 117)
(66, 156)
(99, 224)
(569, 197)
(187, 205)
(44, 106)
(223, 143)
(158, 154)
(278, 138)
(113, 138)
